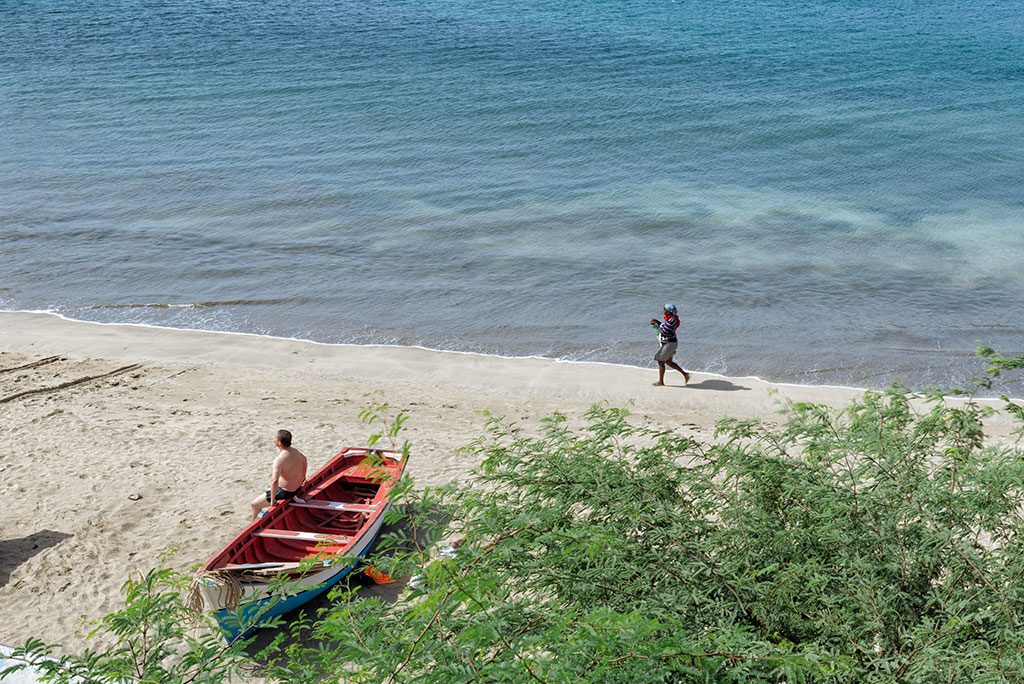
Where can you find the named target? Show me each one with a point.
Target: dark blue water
(831, 191)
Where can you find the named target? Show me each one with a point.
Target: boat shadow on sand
(366, 588)
(14, 552)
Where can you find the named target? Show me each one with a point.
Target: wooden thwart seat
(335, 505)
(311, 536)
(259, 566)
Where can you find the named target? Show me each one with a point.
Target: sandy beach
(123, 442)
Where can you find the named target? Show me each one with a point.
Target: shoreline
(125, 440)
(134, 340)
(756, 378)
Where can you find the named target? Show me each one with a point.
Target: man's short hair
(284, 437)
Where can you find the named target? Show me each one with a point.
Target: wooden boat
(308, 543)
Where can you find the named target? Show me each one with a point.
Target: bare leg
(258, 504)
(661, 374)
(686, 376)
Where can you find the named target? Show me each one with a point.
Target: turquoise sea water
(831, 191)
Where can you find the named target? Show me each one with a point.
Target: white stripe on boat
(294, 534)
(335, 505)
(258, 566)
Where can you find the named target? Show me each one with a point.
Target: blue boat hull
(251, 616)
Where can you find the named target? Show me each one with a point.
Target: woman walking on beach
(667, 336)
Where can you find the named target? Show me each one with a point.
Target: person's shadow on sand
(713, 384)
(14, 552)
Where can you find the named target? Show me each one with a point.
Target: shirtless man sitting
(287, 475)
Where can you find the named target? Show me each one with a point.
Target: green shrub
(876, 543)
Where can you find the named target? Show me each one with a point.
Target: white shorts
(666, 352)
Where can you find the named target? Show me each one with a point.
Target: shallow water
(830, 191)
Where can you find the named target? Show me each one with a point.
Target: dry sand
(169, 434)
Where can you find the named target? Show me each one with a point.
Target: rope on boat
(229, 592)
(230, 585)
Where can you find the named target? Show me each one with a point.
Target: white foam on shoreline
(755, 378)
(422, 348)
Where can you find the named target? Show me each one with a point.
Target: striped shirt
(667, 331)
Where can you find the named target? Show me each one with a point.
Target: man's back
(290, 465)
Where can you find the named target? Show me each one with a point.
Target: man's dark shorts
(282, 494)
